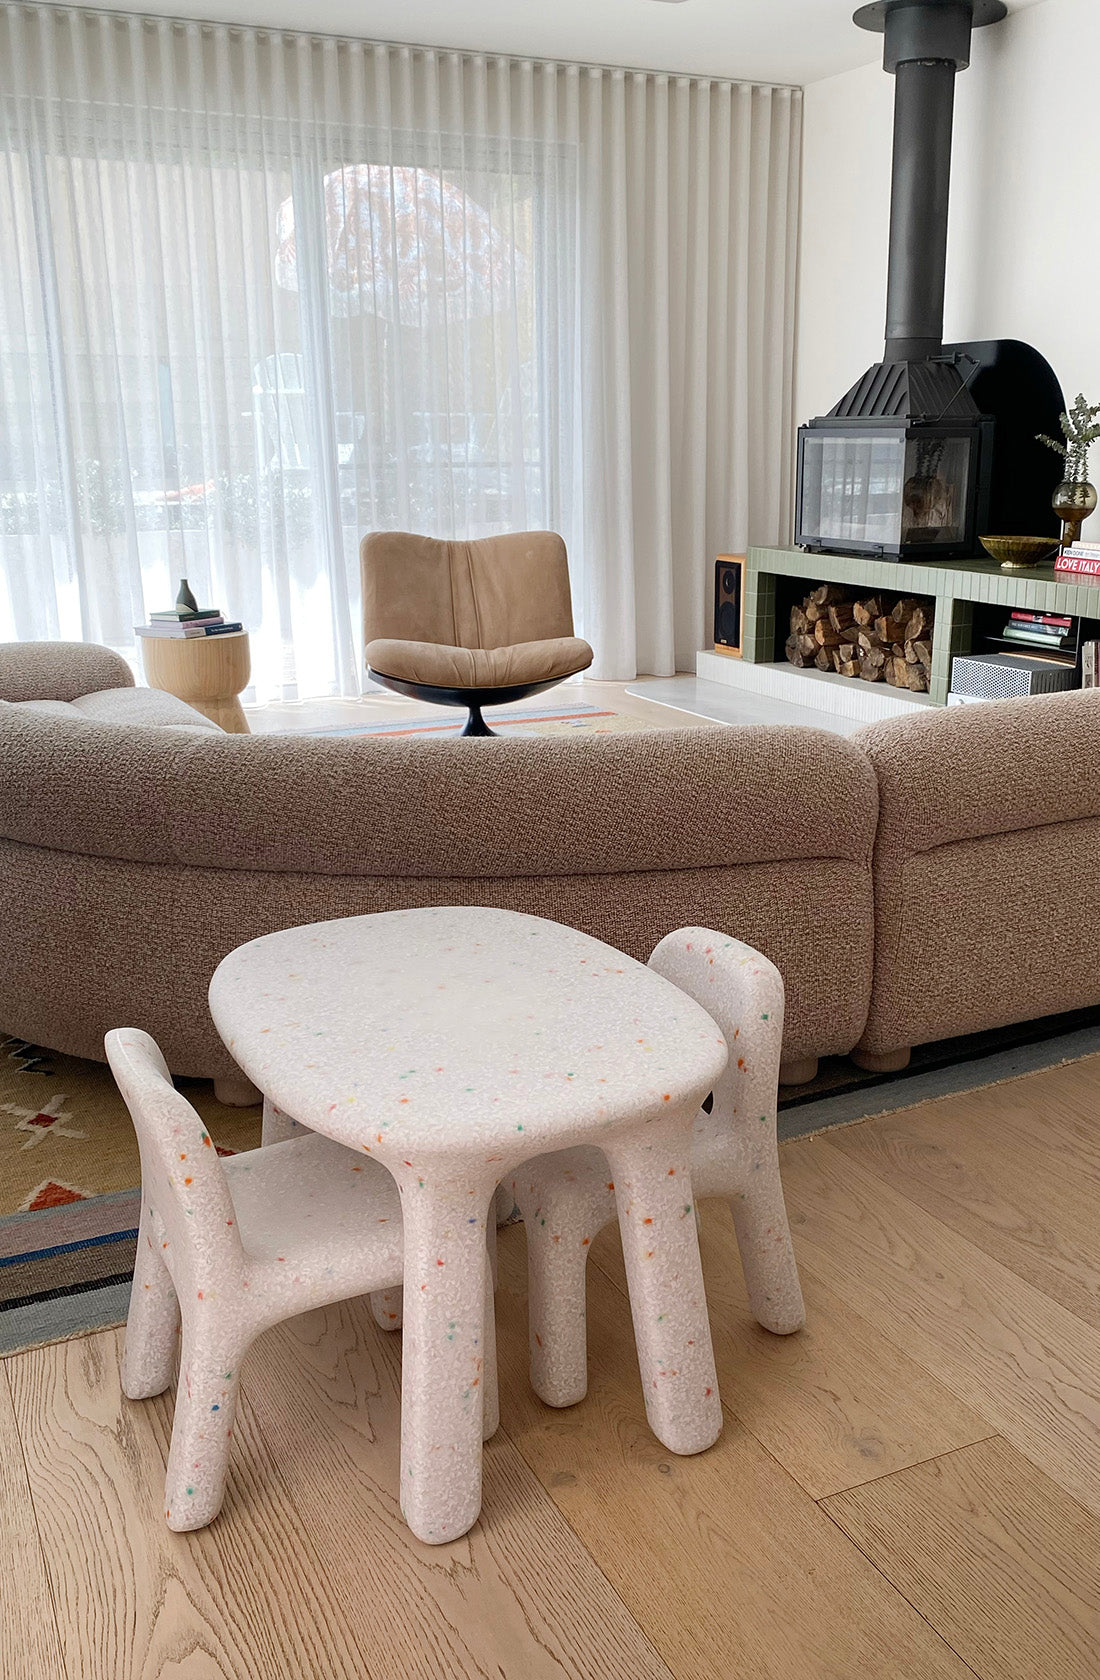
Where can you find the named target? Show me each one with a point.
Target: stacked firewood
(864, 637)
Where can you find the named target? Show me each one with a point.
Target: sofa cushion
(142, 707)
(461, 667)
(660, 799)
(964, 772)
(59, 670)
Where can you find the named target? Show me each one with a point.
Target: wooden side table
(208, 672)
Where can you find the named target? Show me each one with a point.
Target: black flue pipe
(924, 99)
(926, 43)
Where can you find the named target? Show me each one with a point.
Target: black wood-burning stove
(901, 466)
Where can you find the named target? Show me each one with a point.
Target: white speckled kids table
(452, 1044)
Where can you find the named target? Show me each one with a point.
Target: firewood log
(827, 594)
(865, 612)
(917, 679)
(849, 667)
(795, 654)
(849, 650)
(823, 661)
(888, 630)
(840, 615)
(871, 665)
(923, 651)
(825, 634)
(919, 623)
(897, 672)
(799, 622)
(808, 644)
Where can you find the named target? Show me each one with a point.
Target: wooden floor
(908, 1489)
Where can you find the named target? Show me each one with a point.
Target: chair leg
(665, 1277)
(206, 1405)
(566, 1199)
(388, 1308)
(152, 1324)
(767, 1253)
(476, 724)
(490, 1417)
(557, 1275)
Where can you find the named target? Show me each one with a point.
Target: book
(1063, 621)
(1035, 635)
(184, 615)
(187, 631)
(1082, 563)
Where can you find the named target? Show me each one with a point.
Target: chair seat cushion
(459, 667)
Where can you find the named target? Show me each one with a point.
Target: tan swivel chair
(469, 623)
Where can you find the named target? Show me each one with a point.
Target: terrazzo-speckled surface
(450, 1044)
(567, 1198)
(423, 1029)
(232, 1248)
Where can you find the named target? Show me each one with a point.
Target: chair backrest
(183, 1183)
(486, 594)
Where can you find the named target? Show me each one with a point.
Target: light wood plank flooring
(908, 1490)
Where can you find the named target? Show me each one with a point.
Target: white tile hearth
(720, 702)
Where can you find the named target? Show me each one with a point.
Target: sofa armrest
(968, 772)
(59, 670)
(593, 805)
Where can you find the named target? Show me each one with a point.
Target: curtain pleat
(262, 293)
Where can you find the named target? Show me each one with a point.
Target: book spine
(1085, 563)
(1034, 635)
(1054, 619)
(224, 630)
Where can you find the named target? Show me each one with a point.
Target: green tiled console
(957, 585)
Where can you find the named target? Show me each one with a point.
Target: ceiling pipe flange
(928, 31)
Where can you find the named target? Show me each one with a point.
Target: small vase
(1073, 502)
(186, 601)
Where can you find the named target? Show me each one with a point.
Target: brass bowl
(1013, 552)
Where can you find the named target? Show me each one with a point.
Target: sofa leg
(236, 1091)
(892, 1062)
(798, 1071)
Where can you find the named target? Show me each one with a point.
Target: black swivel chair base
(471, 699)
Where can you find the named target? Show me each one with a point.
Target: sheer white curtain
(260, 293)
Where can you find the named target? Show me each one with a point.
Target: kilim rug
(69, 1173)
(526, 720)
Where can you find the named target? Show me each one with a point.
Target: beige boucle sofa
(138, 845)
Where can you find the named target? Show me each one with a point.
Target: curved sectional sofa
(926, 877)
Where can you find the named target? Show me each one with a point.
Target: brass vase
(1073, 502)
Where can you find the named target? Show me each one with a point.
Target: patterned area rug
(68, 1202)
(525, 720)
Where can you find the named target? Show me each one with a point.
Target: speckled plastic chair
(237, 1245)
(567, 1198)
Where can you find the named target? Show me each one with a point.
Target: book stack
(1080, 557)
(188, 621)
(1053, 632)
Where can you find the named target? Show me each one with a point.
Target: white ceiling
(752, 40)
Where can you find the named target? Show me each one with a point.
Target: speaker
(729, 603)
(1000, 676)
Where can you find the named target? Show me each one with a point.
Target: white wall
(1024, 246)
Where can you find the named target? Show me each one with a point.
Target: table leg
(652, 1174)
(448, 1348)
